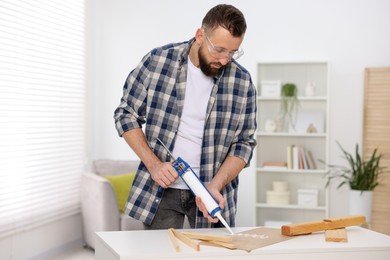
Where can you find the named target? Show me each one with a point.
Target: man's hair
(226, 16)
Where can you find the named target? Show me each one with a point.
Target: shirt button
(157, 200)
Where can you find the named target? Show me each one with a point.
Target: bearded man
(201, 103)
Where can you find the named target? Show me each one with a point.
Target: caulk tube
(198, 188)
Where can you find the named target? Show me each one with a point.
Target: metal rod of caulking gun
(166, 148)
(160, 189)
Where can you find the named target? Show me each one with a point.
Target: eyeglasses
(221, 53)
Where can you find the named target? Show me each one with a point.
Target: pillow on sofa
(122, 185)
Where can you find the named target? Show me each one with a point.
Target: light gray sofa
(99, 206)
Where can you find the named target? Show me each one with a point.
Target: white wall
(350, 34)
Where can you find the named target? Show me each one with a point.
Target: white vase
(360, 203)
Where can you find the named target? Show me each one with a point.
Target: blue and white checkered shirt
(154, 94)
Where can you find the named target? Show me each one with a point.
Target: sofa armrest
(99, 206)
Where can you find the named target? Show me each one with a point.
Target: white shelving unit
(272, 146)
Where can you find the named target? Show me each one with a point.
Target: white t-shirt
(188, 144)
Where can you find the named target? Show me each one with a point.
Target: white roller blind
(42, 111)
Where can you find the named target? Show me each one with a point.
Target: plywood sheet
(257, 238)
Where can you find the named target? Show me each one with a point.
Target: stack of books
(299, 158)
(275, 165)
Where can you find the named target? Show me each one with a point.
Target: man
(198, 101)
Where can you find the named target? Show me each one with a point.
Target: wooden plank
(208, 237)
(186, 240)
(174, 240)
(327, 224)
(336, 235)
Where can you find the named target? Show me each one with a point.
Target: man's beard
(206, 68)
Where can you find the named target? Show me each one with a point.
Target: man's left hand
(217, 196)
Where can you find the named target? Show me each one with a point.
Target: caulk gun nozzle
(219, 216)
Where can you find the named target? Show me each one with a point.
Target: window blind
(42, 111)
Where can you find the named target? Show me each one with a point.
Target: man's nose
(224, 60)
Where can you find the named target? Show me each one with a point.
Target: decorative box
(280, 194)
(307, 197)
(280, 186)
(278, 197)
(270, 88)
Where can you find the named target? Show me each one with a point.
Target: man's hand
(229, 170)
(163, 173)
(217, 196)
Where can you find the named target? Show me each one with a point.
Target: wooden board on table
(336, 235)
(327, 224)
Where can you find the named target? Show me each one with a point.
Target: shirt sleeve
(131, 111)
(244, 141)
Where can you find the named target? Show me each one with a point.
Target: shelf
(270, 171)
(313, 111)
(319, 98)
(285, 134)
(292, 207)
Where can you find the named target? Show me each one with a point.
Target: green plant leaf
(360, 174)
(289, 103)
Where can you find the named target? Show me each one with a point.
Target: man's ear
(199, 36)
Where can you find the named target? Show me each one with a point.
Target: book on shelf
(290, 157)
(300, 158)
(304, 159)
(295, 158)
(313, 164)
(276, 165)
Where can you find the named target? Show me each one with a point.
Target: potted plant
(362, 176)
(289, 103)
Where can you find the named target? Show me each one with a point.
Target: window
(42, 111)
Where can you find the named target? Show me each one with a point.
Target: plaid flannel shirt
(154, 94)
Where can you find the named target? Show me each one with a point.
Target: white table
(362, 244)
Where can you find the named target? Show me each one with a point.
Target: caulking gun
(197, 187)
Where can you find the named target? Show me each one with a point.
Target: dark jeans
(174, 205)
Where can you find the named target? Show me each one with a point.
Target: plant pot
(289, 105)
(360, 203)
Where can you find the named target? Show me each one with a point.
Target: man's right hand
(163, 173)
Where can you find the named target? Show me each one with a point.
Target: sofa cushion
(114, 167)
(122, 185)
(128, 223)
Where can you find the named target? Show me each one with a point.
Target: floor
(78, 253)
